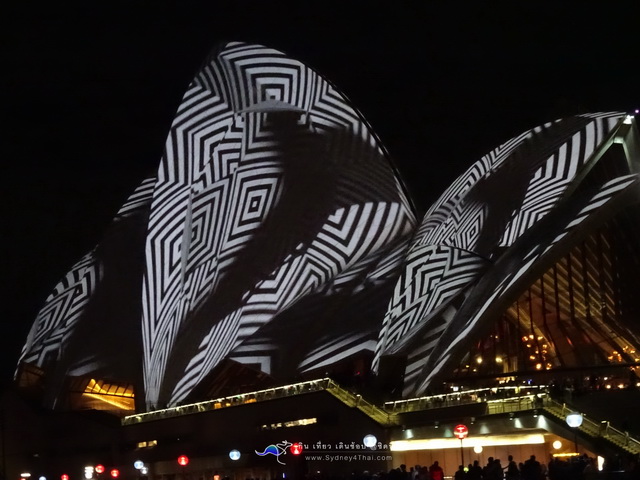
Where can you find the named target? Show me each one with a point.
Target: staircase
(594, 430)
(356, 401)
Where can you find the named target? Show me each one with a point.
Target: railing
(357, 401)
(534, 398)
(499, 400)
(516, 404)
(495, 395)
(594, 429)
(350, 399)
(231, 401)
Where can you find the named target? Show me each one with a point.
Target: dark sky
(89, 95)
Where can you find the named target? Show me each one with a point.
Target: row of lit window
(292, 423)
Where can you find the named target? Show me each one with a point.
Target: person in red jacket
(436, 472)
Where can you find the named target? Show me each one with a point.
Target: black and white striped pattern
(65, 306)
(542, 162)
(277, 224)
(262, 147)
(551, 179)
(62, 310)
(421, 370)
(340, 321)
(486, 210)
(432, 275)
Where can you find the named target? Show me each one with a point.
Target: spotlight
(369, 441)
(574, 419)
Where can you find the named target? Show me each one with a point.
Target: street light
(369, 441)
(461, 432)
(574, 420)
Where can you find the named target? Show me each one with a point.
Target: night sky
(89, 95)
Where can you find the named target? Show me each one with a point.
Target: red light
(461, 431)
(115, 473)
(99, 469)
(64, 476)
(296, 449)
(183, 460)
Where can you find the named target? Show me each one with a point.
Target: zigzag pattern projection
(346, 306)
(65, 306)
(421, 368)
(271, 186)
(537, 165)
(485, 210)
(276, 234)
(432, 275)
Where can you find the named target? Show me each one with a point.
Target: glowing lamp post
(461, 432)
(369, 441)
(574, 420)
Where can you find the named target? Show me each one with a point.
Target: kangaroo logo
(276, 449)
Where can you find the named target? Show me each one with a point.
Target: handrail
(517, 403)
(596, 430)
(465, 397)
(354, 400)
(230, 401)
(351, 399)
(498, 400)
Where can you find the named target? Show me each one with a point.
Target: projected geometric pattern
(65, 306)
(537, 166)
(346, 306)
(432, 275)
(270, 187)
(486, 210)
(422, 369)
(276, 234)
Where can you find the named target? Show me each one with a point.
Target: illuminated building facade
(276, 242)
(269, 241)
(526, 263)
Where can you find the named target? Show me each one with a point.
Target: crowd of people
(580, 467)
(575, 468)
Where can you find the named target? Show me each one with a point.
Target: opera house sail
(276, 241)
(525, 263)
(275, 224)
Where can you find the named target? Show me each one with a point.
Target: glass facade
(96, 394)
(580, 314)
